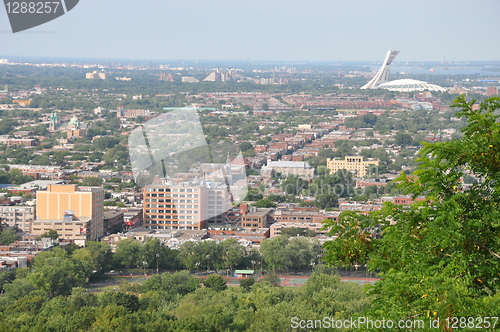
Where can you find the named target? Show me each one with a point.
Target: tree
(91, 181)
(295, 253)
(326, 201)
(403, 139)
(253, 195)
(8, 235)
(216, 282)
(19, 288)
(439, 257)
(232, 253)
(52, 234)
(354, 239)
(293, 185)
(272, 278)
(58, 275)
(247, 283)
(264, 203)
(244, 146)
(128, 301)
(96, 256)
(155, 254)
(181, 283)
(127, 253)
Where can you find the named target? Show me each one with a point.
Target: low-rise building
(286, 168)
(257, 219)
(113, 221)
(5, 139)
(275, 229)
(355, 164)
(19, 216)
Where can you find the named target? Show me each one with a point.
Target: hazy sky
(325, 30)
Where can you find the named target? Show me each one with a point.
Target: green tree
(216, 282)
(232, 253)
(58, 275)
(272, 278)
(91, 181)
(439, 257)
(128, 301)
(127, 254)
(403, 139)
(247, 283)
(264, 203)
(19, 288)
(8, 235)
(326, 201)
(52, 234)
(293, 185)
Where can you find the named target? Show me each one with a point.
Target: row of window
(181, 190)
(173, 195)
(173, 211)
(58, 229)
(180, 222)
(60, 223)
(167, 217)
(176, 201)
(173, 227)
(248, 219)
(16, 209)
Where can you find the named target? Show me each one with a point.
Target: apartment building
(355, 164)
(76, 213)
(171, 206)
(19, 216)
(260, 218)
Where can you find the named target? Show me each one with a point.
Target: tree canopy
(438, 257)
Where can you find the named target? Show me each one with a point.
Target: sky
(256, 30)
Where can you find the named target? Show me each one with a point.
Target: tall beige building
(190, 205)
(76, 213)
(354, 164)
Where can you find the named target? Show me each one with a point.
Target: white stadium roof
(409, 85)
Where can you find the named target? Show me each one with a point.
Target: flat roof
(244, 271)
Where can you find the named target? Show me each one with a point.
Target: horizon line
(248, 61)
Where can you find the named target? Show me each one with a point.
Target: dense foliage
(438, 257)
(177, 302)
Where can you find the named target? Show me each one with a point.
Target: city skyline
(320, 31)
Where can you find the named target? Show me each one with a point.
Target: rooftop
(410, 85)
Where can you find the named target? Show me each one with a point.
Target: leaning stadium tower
(382, 75)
